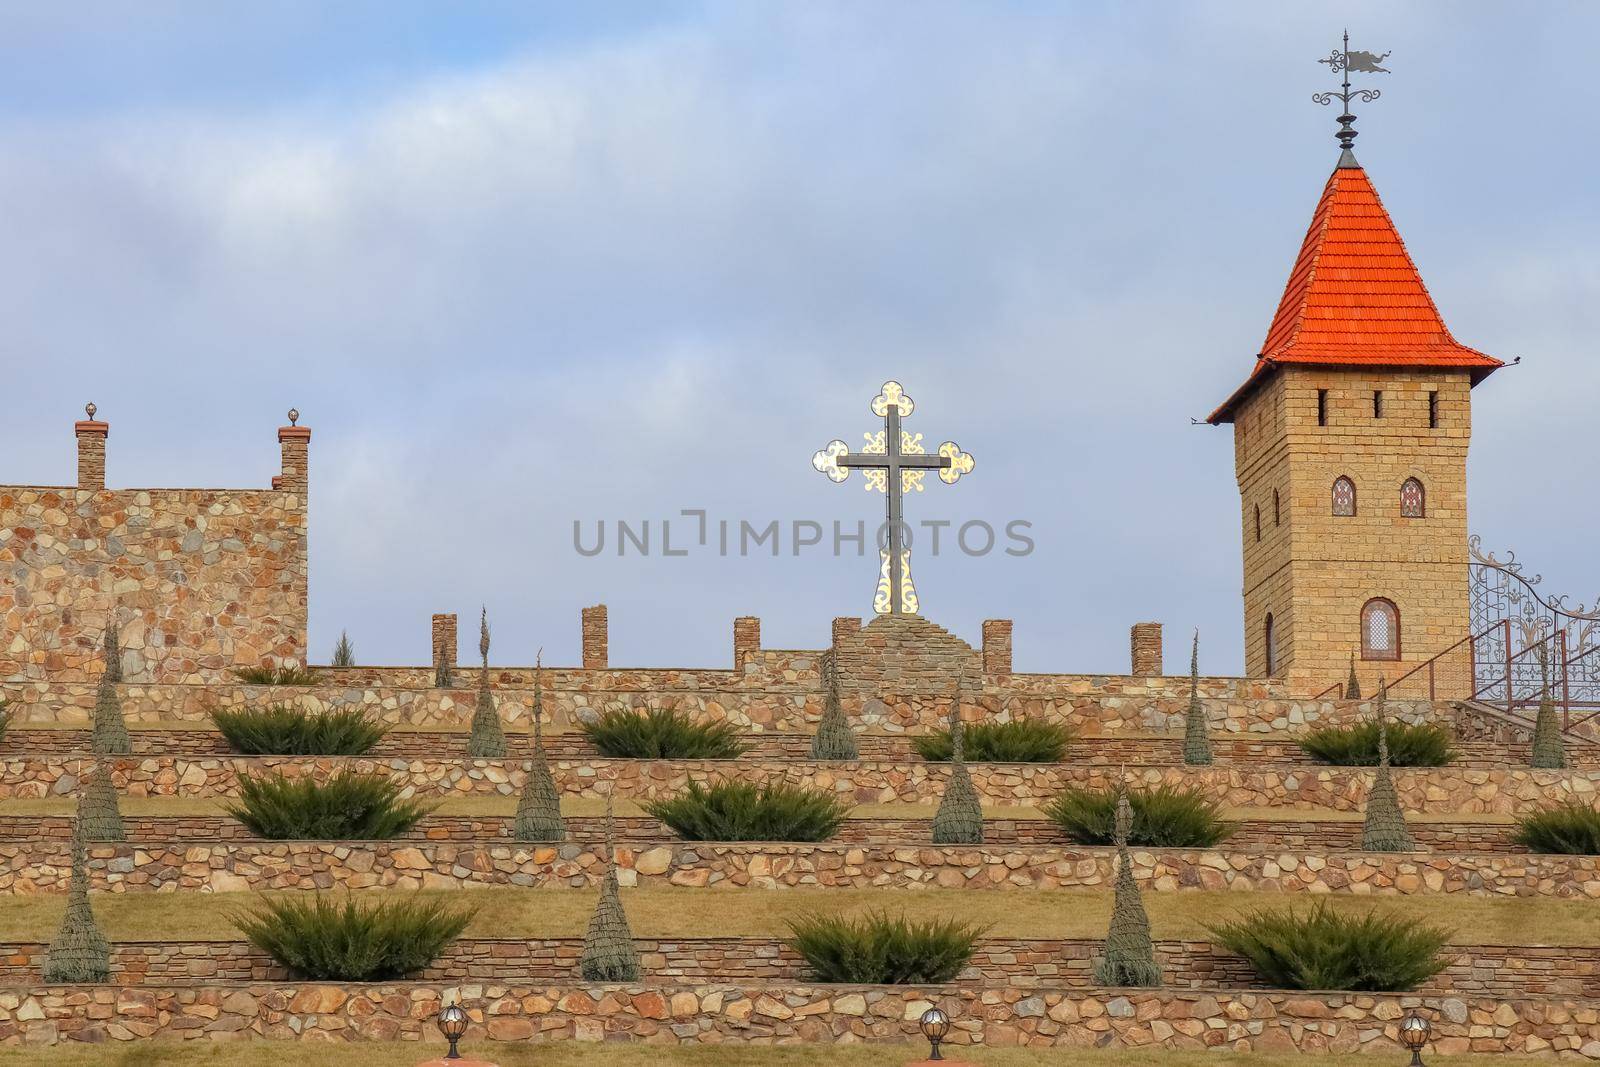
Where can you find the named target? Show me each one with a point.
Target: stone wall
(221, 866)
(1474, 970)
(766, 1013)
(206, 580)
(1088, 704)
(1299, 835)
(1440, 791)
(1114, 751)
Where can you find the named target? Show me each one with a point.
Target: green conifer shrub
(1163, 817)
(1323, 949)
(1018, 741)
(1567, 828)
(99, 818)
(289, 675)
(112, 647)
(349, 806)
(834, 739)
(661, 733)
(609, 954)
(79, 954)
(1352, 685)
(539, 807)
(109, 734)
(344, 653)
(488, 740)
(1130, 958)
(1549, 748)
(740, 811)
(284, 730)
(5, 717)
(326, 940)
(1196, 729)
(1356, 745)
(880, 949)
(1384, 828)
(959, 820)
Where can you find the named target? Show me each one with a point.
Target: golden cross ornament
(894, 462)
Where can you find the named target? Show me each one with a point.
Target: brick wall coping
(766, 1012)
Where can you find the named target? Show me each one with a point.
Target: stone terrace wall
(1146, 1019)
(1089, 704)
(1435, 791)
(208, 579)
(210, 866)
(1474, 970)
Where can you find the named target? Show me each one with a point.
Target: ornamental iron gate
(1524, 640)
(1521, 641)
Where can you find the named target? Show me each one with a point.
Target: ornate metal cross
(894, 462)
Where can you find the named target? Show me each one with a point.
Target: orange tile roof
(1355, 298)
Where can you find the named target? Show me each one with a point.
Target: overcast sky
(519, 264)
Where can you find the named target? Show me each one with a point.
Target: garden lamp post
(1414, 1032)
(935, 1024)
(453, 1025)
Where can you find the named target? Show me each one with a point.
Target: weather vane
(1345, 62)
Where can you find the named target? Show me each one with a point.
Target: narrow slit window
(1433, 409)
(1322, 407)
(1258, 522)
(1277, 514)
(1377, 403)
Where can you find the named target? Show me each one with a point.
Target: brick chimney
(295, 442)
(1146, 642)
(746, 638)
(596, 655)
(444, 640)
(91, 450)
(997, 646)
(843, 626)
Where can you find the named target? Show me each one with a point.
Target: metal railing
(1448, 675)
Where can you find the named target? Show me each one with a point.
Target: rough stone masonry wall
(765, 1013)
(1510, 972)
(1440, 791)
(207, 580)
(1088, 705)
(222, 866)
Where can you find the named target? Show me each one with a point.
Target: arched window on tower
(1413, 501)
(1380, 629)
(1271, 642)
(1344, 496)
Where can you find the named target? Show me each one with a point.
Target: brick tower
(1350, 448)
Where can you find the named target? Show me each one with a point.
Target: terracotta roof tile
(1354, 298)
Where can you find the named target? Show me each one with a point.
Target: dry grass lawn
(570, 1054)
(673, 912)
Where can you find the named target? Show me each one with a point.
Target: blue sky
(519, 264)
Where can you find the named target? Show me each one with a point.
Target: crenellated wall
(202, 580)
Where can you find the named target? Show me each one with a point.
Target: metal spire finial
(89, 409)
(1343, 62)
(294, 416)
